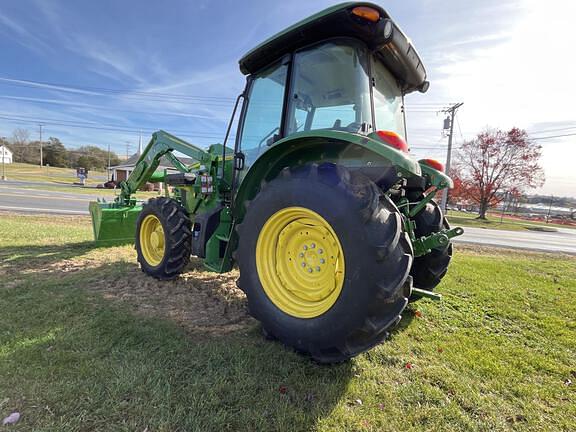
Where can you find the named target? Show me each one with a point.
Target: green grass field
(88, 343)
(61, 180)
(458, 218)
(50, 175)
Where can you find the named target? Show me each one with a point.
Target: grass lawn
(27, 172)
(458, 218)
(87, 342)
(108, 194)
(62, 180)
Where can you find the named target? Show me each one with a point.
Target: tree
(495, 163)
(92, 157)
(55, 154)
(23, 150)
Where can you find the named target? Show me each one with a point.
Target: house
(5, 155)
(122, 172)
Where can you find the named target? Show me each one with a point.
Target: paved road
(562, 241)
(43, 201)
(42, 185)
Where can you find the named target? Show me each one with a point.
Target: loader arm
(162, 143)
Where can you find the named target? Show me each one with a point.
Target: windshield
(387, 101)
(330, 88)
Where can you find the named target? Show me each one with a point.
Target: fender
(435, 178)
(343, 148)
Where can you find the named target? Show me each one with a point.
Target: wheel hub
(152, 240)
(300, 262)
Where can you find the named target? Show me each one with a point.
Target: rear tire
(376, 255)
(163, 222)
(428, 270)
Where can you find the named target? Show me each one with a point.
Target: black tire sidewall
(341, 211)
(428, 270)
(151, 208)
(166, 209)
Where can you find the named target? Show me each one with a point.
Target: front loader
(331, 222)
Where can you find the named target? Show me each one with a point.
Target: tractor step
(218, 252)
(428, 294)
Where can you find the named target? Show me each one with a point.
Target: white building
(5, 155)
(122, 172)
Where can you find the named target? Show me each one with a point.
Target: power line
(553, 136)
(459, 129)
(102, 90)
(100, 126)
(107, 109)
(552, 130)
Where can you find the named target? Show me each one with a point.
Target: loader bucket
(112, 223)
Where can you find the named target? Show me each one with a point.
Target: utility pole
(108, 176)
(452, 112)
(140, 143)
(549, 209)
(503, 206)
(3, 161)
(41, 155)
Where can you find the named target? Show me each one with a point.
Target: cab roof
(397, 52)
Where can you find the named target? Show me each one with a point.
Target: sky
(99, 72)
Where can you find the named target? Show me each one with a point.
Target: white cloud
(518, 76)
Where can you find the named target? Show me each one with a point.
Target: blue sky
(507, 60)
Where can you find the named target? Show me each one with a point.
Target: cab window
(264, 113)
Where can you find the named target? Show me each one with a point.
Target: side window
(264, 113)
(387, 101)
(330, 88)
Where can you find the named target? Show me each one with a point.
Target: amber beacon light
(367, 13)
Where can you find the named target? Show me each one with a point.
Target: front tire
(163, 238)
(342, 306)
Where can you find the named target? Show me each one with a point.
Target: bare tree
(22, 149)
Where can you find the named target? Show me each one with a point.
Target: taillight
(433, 163)
(393, 140)
(367, 13)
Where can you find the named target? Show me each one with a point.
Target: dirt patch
(199, 301)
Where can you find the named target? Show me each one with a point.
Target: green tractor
(331, 222)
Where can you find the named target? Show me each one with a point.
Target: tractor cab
(347, 71)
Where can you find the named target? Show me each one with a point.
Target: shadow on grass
(96, 364)
(407, 317)
(27, 257)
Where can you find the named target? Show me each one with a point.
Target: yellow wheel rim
(152, 240)
(300, 262)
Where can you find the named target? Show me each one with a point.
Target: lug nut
(320, 251)
(313, 245)
(305, 247)
(317, 268)
(322, 260)
(303, 264)
(301, 254)
(309, 270)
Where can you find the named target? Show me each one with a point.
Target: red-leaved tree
(495, 163)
